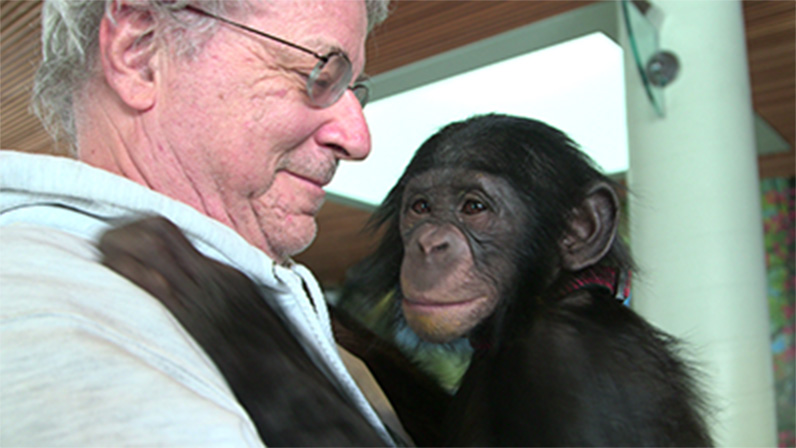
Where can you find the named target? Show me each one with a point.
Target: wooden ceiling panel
(419, 29)
(771, 46)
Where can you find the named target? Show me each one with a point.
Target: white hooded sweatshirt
(89, 359)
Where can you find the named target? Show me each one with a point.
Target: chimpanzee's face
(461, 231)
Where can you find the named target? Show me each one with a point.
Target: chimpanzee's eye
(421, 206)
(472, 207)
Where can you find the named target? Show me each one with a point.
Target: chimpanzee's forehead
(451, 177)
(444, 180)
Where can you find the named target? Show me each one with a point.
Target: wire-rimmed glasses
(328, 80)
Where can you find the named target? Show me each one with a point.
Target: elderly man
(228, 118)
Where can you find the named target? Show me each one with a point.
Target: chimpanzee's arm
(588, 371)
(290, 401)
(419, 401)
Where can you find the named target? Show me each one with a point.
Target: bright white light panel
(576, 86)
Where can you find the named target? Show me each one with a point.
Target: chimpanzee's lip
(424, 301)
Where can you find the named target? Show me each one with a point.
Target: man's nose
(346, 131)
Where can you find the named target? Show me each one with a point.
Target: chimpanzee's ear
(592, 228)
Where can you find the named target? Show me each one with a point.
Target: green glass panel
(643, 38)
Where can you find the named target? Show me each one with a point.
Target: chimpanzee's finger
(146, 278)
(218, 282)
(183, 262)
(139, 252)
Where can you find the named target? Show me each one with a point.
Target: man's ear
(592, 228)
(127, 50)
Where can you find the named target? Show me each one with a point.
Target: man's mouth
(317, 180)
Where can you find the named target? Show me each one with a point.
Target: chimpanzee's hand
(203, 294)
(288, 398)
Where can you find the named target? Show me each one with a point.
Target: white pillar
(695, 219)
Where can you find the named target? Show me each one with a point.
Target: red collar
(616, 282)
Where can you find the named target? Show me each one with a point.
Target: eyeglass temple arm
(252, 30)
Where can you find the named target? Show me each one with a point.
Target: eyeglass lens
(329, 80)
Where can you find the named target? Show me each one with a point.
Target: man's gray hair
(70, 39)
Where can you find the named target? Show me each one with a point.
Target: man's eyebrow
(323, 47)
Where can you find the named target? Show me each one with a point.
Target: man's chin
(294, 239)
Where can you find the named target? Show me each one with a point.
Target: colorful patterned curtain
(778, 221)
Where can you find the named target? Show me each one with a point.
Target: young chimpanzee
(502, 231)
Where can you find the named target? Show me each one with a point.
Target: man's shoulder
(49, 272)
(23, 241)
(52, 279)
(37, 257)
(74, 329)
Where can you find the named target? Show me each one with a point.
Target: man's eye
(421, 206)
(322, 83)
(472, 207)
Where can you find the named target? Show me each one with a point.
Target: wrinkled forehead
(321, 25)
